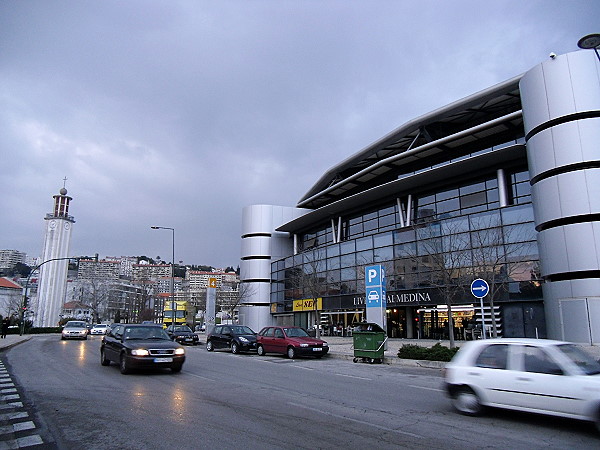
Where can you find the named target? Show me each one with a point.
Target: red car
(290, 341)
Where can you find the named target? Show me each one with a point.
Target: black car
(237, 338)
(182, 334)
(137, 346)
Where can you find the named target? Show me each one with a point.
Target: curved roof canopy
(480, 121)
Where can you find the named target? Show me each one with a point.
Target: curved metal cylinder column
(561, 112)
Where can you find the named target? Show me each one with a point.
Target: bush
(436, 353)
(40, 330)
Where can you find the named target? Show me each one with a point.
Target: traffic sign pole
(480, 288)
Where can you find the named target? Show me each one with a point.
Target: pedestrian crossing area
(17, 428)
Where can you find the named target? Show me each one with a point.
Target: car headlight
(179, 351)
(325, 344)
(303, 345)
(140, 352)
(244, 340)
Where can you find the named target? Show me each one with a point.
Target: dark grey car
(136, 346)
(237, 338)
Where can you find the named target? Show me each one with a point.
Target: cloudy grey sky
(180, 113)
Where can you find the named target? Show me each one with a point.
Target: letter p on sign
(372, 274)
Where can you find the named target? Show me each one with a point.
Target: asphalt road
(228, 401)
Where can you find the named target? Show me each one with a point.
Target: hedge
(436, 353)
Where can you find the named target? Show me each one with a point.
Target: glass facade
(455, 234)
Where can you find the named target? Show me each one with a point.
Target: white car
(532, 375)
(74, 329)
(100, 328)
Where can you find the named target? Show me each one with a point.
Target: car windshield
(75, 325)
(242, 330)
(183, 328)
(295, 332)
(145, 333)
(583, 360)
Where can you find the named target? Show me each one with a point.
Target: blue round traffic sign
(479, 288)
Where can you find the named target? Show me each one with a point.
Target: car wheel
(466, 402)
(291, 352)
(235, 349)
(176, 369)
(123, 367)
(209, 346)
(260, 350)
(103, 359)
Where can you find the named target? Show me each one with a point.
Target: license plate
(317, 349)
(161, 360)
(188, 339)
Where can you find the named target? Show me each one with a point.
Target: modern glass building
(503, 185)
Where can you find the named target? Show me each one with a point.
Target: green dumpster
(369, 342)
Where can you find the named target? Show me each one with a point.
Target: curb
(11, 345)
(391, 361)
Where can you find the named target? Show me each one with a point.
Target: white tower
(53, 275)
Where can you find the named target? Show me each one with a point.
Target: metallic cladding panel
(256, 246)
(560, 99)
(567, 195)
(563, 145)
(558, 87)
(570, 248)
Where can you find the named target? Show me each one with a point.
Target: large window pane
(384, 254)
(383, 239)
(365, 243)
(517, 214)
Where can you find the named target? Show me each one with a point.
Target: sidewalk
(13, 339)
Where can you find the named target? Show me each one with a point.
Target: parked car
(532, 375)
(182, 334)
(75, 329)
(99, 328)
(137, 346)
(290, 341)
(237, 338)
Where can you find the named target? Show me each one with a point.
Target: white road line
(8, 391)
(20, 426)
(5, 398)
(356, 420)
(302, 367)
(426, 388)
(29, 441)
(353, 376)
(11, 405)
(14, 415)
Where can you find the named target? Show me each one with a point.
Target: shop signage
(410, 297)
(308, 304)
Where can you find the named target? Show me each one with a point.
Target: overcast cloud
(180, 113)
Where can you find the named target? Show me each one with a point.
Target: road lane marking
(426, 388)
(353, 376)
(338, 416)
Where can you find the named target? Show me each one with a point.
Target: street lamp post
(590, 42)
(173, 304)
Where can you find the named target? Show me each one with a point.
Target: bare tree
(441, 256)
(95, 293)
(308, 281)
(238, 293)
(501, 253)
